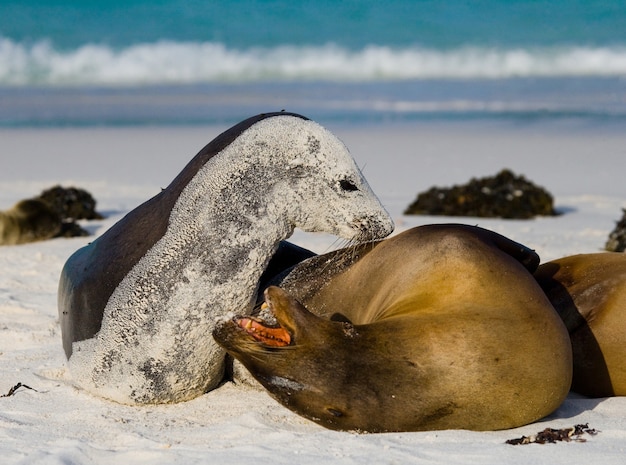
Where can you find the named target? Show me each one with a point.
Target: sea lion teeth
(273, 336)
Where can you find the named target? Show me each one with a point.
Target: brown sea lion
(440, 327)
(28, 221)
(137, 306)
(589, 293)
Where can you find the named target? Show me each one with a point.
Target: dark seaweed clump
(551, 435)
(504, 195)
(617, 237)
(71, 203)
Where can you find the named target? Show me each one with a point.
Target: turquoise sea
(139, 62)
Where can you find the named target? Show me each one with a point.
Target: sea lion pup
(137, 306)
(440, 327)
(28, 221)
(589, 293)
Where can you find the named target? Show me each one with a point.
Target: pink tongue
(276, 337)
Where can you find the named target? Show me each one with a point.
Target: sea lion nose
(374, 227)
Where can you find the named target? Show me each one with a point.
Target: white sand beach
(55, 423)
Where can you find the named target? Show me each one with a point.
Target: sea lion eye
(333, 412)
(348, 186)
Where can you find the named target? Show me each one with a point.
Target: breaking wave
(168, 62)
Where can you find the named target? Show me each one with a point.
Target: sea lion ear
(340, 318)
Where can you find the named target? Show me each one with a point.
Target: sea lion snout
(371, 228)
(293, 324)
(289, 312)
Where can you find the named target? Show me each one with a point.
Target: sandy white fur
(155, 343)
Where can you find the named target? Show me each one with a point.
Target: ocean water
(113, 62)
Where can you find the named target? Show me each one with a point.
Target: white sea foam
(167, 62)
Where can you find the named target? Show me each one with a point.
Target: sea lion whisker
(357, 245)
(337, 244)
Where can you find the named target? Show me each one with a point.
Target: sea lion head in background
(137, 304)
(29, 221)
(589, 293)
(439, 327)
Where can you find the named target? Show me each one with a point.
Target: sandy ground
(54, 423)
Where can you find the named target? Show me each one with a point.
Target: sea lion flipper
(523, 254)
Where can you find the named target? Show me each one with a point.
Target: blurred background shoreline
(175, 62)
(517, 100)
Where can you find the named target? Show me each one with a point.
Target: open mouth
(272, 335)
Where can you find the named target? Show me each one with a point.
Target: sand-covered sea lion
(589, 293)
(439, 327)
(137, 306)
(28, 221)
